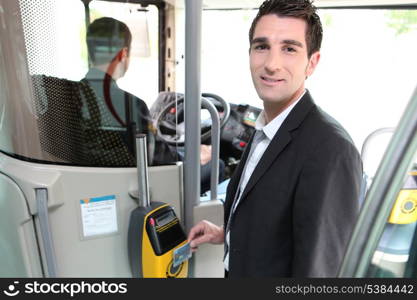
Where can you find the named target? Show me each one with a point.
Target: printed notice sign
(99, 215)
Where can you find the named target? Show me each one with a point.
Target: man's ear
(123, 54)
(312, 63)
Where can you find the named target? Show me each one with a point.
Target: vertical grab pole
(192, 101)
(215, 147)
(193, 9)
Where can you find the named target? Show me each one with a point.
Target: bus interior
(67, 132)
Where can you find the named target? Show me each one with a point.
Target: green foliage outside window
(402, 21)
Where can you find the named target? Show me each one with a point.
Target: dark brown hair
(105, 38)
(301, 9)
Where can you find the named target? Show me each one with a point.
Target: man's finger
(195, 231)
(200, 240)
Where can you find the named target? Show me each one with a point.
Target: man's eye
(289, 49)
(260, 47)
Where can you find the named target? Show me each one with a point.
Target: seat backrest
(70, 119)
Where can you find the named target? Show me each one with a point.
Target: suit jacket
(298, 209)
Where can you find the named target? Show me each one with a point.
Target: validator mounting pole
(142, 167)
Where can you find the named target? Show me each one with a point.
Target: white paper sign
(99, 215)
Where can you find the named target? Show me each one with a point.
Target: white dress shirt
(269, 130)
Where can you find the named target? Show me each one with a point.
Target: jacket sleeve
(325, 209)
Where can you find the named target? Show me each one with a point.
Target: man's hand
(205, 154)
(205, 232)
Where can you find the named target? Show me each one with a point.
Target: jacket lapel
(281, 139)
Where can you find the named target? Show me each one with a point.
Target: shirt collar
(272, 127)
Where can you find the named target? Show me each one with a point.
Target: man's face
(279, 62)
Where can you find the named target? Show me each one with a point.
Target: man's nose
(273, 62)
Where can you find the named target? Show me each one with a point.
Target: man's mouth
(271, 80)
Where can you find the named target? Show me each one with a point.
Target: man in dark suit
(293, 200)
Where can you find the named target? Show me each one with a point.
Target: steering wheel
(170, 125)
